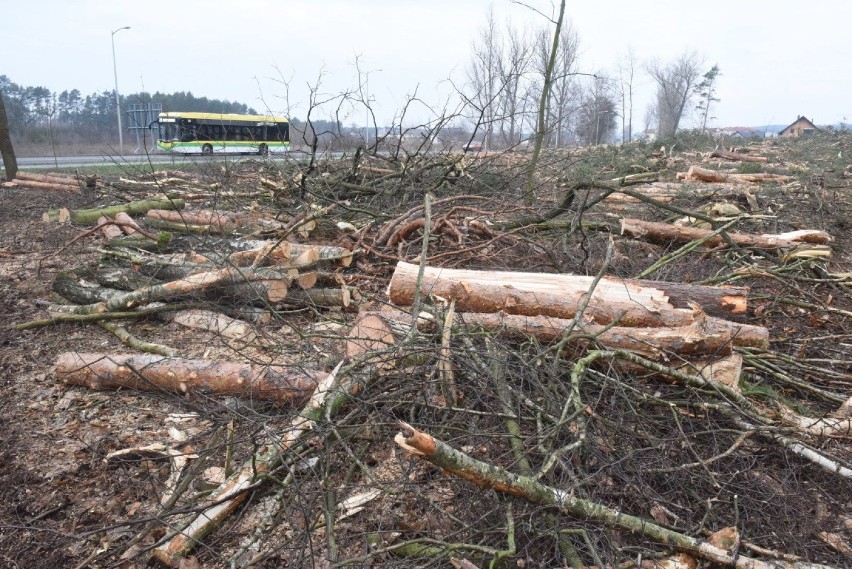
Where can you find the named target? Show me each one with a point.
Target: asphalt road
(48, 162)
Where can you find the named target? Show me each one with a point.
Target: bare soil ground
(653, 449)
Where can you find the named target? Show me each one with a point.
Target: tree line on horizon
(37, 115)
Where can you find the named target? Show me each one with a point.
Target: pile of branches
(423, 437)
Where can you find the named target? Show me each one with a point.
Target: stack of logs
(53, 181)
(666, 322)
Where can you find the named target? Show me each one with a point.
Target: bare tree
(9, 161)
(513, 68)
(624, 89)
(564, 94)
(483, 74)
(675, 83)
(543, 105)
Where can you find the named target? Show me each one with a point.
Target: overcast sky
(778, 59)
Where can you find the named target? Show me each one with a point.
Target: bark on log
(341, 297)
(90, 216)
(283, 385)
(211, 221)
(720, 301)
(737, 156)
(696, 173)
(50, 177)
(137, 241)
(80, 292)
(539, 294)
(705, 336)
(260, 285)
(666, 232)
(109, 230)
(128, 225)
(52, 186)
(211, 321)
(248, 283)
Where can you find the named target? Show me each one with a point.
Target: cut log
(696, 173)
(128, 225)
(211, 220)
(90, 216)
(666, 232)
(252, 284)
(52, 186)
(211, 321)
(327, 253)
(737, 156)
(705, 336)
(109, 230)
(48, 177)
(539, 294)
(283, 385)
(374, 333)
(322, 297)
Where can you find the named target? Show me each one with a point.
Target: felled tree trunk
(738, 156)
(706, 335)
(666, 232)
(284, 385)
(297, 254)
(52, 186)
(696, 173)
(90, 216)
(250, 284)
(341, 297)
(109, 230)
(194, 221)
(631, 303)
(128, 225)
(219, 324)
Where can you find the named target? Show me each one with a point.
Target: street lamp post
(367, 97)
(117, 99)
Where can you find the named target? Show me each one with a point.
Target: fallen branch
(426, 447)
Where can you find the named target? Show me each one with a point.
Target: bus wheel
(207, 150)
(263, 150)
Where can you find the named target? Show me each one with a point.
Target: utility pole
(117, 99)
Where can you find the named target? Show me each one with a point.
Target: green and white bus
(209, 133)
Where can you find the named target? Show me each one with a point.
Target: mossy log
(90, 216)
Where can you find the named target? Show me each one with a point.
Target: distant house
(801, 126)
(739, 132)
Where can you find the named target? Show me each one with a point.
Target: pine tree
(706, 91)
